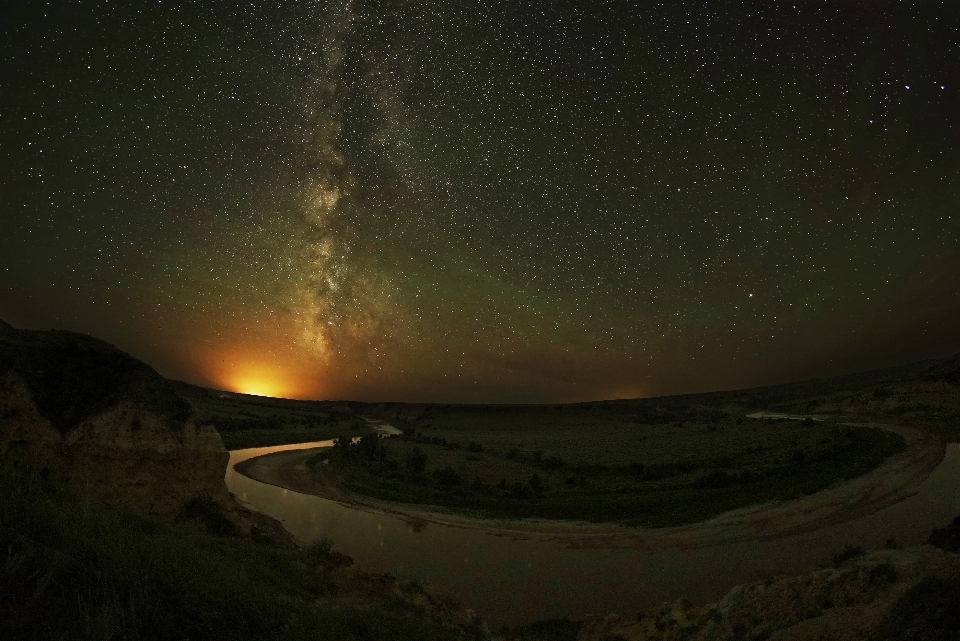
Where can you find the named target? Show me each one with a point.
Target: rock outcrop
(105, 425)
(887, 594)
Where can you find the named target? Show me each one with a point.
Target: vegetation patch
(927, 612)
(579, 463)
(75, 570)
(547, 630)
(947, 538)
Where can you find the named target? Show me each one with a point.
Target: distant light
(257, 389)
(257, 379)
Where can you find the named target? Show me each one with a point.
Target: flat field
(253, 421)
(661, 461)
(598, 463)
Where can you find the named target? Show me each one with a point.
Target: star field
(485, 201)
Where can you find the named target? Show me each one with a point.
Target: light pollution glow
(259, 380)
(259, 374)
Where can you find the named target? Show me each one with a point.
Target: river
(518, 581)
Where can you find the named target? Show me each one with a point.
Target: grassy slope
(72, 377)
(73, 570)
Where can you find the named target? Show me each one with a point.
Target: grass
(74, 570)
(587, 464)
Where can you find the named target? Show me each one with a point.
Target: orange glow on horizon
(262, 361)
(625, 392)
(257, 378)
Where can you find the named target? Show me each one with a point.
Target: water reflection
(516, 581)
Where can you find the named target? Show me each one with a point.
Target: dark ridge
(72, 377)
(91, 374)
(700, 406)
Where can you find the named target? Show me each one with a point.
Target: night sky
(496, 202)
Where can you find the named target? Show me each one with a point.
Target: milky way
(485, 202)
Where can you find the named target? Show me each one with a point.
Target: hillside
(116, 523)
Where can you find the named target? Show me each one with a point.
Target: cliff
(104, 424)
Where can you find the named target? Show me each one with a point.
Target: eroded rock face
(104, 424)
(125, 454)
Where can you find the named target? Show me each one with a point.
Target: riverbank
(894, 480)
(78, 569)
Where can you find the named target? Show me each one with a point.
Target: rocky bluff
(105, 425)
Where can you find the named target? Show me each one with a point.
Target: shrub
(447, 476)
(883, 573)
(850, 552)
(548, 630)
(947, 538)
(318, 552)
(369, 447)
(416, 462)
(928, 610)
(717, 479)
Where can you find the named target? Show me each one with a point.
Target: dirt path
(894, 480)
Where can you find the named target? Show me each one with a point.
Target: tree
(370, 447)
